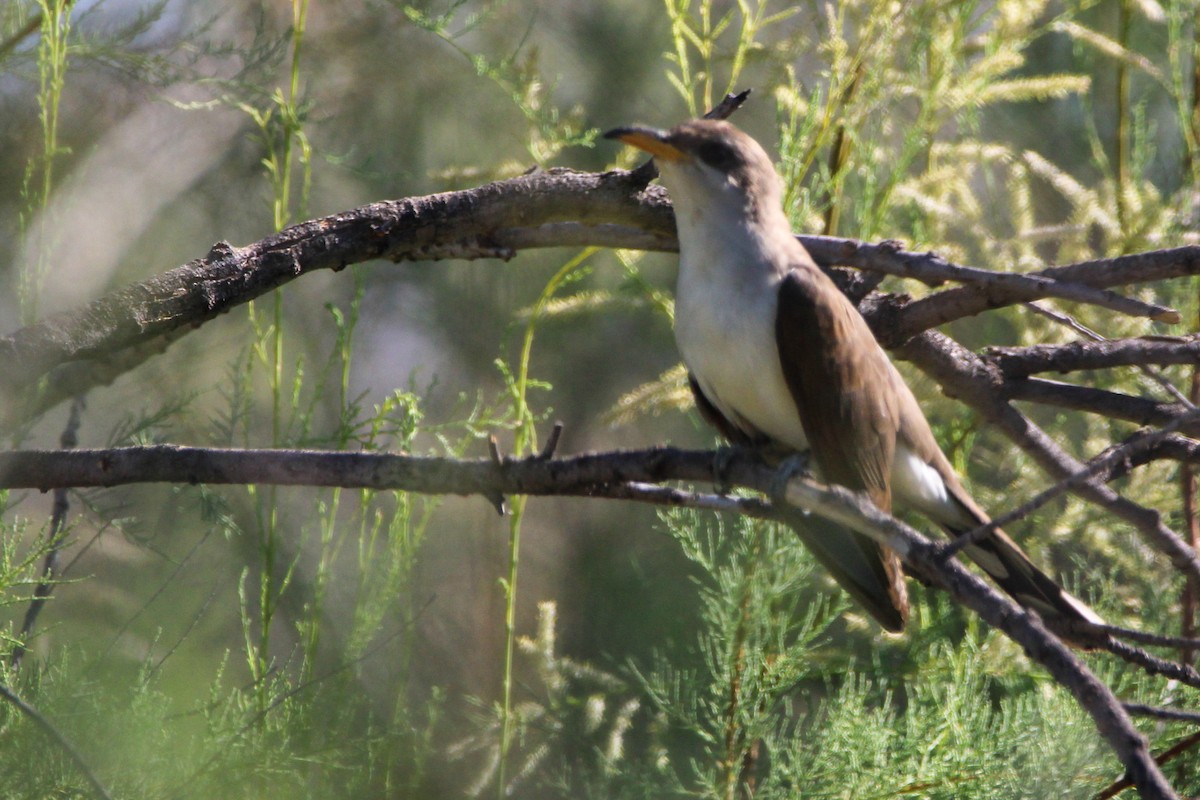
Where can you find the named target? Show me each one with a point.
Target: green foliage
(52, 59)
(518, 75)
(321, 671)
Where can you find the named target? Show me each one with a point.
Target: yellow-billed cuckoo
(777, 354)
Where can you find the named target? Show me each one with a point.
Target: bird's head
(710, 164)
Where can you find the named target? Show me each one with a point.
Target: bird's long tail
(870, 574)
(1006, 564)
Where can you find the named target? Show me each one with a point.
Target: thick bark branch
(90, 346)
(541, 209)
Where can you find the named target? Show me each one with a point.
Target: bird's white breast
(725, 330)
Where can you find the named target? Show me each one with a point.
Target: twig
(1142, 361)
(1153, 265)
(1190, 598)
(496, 498)
(552, 442)
(616, 474)
(729, 104)
(965, 376)
(31, 26)
(1173, 714)
(1099, 466)
(986, 288)
(1164, 758)
(1138, 410)
(32, 713)
(1153, 665)
(1145, 637)
(1018, 362)
(965, 301)
(58, 520)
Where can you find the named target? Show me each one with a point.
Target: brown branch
(49, 469)
(13, 699)
(1102, 465)
(1153, 265)
(1153, 665)
(1145, 637)
(1172, 714)
(1018, 362)
(88, 347)
(965, 301)
(987, 288)
(619, 474)
(1106, 403)
(965, 376)
(30, 27)
(542, 209)
(58, 521)
(1173, 448)
(1165, 757)
(1021, 626)
(1190, 596)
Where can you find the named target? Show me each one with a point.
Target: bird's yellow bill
(652, 141)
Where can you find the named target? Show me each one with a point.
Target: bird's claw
(790, 467)
(722, 457)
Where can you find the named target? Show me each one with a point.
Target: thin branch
(1165, 757)
(1106, 403)
(1098, 467)
(986, 289)
(967, 377)
(32, 25)
(1173, 714)
(964, 301)
(1174, 448)
(1153, 265)
(619, 474)
(1150, 371)
(1153, 665)
(32, 713)
(1145, 637)
(58, 520)
(1016, 362)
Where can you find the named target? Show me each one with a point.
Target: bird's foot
(722, 457)
(790, 467)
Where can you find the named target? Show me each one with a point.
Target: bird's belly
(729, 346)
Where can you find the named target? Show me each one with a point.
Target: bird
(778, 356)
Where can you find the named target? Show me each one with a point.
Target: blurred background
(219, 628)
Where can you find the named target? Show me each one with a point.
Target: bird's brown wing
(852, 559)
(851, 428)
(835, 371)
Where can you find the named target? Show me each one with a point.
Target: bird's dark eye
(717, 155)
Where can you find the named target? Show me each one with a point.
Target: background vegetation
(325, 643)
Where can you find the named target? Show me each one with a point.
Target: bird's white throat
(725, 316)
